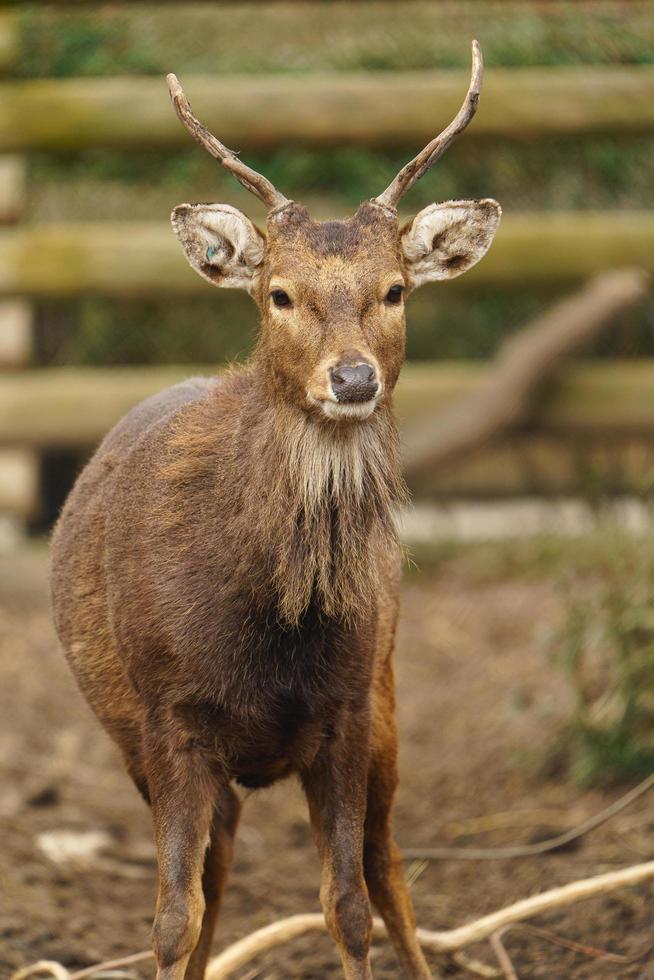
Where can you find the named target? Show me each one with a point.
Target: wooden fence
(74, 407)
(382, 109)
(50, 409)
(19, 463)
(594, 422)
(138, 259)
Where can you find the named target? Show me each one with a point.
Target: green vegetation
(606, 648)
(98, 331)
(331, 36)
(604, 643)
(195, 330)
(590, 557)
(600, 172)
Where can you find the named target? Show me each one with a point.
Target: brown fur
(225, 586)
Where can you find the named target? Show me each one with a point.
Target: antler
(253, 181)
(426, 159)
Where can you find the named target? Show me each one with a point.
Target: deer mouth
(346, 411)
(349, 410)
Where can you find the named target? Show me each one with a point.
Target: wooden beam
(130, 259)
(19, 483)
(545, 464)
(373, 108)
(16, 333)
(75, 407)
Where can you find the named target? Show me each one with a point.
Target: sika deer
(226, 569)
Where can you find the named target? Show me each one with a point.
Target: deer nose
(354, 382)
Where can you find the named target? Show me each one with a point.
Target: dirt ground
(478, 701)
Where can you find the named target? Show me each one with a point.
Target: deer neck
(322, 496)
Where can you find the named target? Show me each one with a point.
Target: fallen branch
(522, 363)
(530, 850)
(450, 941)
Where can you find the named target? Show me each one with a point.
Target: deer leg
(216, 867)
(182, 791)
(335, 786)
(382, 862)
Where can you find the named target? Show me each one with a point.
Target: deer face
(331, 294)
(333, 337)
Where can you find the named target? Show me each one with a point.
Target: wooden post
(19, 465)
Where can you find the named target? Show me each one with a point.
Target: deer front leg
(335, 786)
(382, 861)
(182, 794)
(217, 861)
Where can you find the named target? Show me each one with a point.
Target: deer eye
(280, 298)
(394, 294)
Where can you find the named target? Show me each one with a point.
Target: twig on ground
(90, 971)
(644, 853)
(506, 820)
(115, 975)
(591, 951)
(475, 966)
(530, 850)
(503, 957)
(414, 871)
(57, 971)
(43, 968)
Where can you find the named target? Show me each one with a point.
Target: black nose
(354, 383)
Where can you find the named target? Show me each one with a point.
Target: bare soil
(479, 700)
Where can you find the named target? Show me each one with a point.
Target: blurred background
(526, 660)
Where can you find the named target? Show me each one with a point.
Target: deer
(225, 571)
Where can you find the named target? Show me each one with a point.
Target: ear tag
(211, 251)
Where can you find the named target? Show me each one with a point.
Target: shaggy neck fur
(326, 516)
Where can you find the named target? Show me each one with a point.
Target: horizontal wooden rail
(537, 250)
(75, 407)
(541, 464)
(383, 108)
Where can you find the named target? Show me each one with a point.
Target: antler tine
(415, 169)
(253, 181)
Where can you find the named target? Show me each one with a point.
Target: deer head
(331, 294)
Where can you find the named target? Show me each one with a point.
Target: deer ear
(221, 243)
(445, 240)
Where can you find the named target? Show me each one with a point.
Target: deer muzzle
(354, 383)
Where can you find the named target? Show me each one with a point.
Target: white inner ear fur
(221, 243)
(445, 240)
